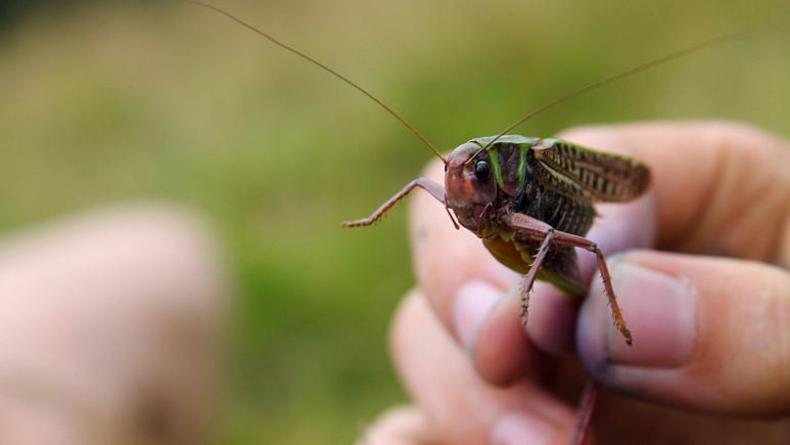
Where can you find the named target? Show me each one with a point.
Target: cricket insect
(530, 200)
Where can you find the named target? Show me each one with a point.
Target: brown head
(469, 184)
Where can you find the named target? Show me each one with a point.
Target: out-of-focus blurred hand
(109, 330)
(711, 322)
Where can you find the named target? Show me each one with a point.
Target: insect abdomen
(566, 212)
(560, 267)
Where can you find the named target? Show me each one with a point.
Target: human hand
(110, 329)
(711, 334)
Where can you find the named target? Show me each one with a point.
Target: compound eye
(482, 170)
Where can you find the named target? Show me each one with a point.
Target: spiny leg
(617, 315)
(532, 274)
(584, 243)
(436, 190)
(536, 229)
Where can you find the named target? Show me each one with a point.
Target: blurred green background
(111, 101)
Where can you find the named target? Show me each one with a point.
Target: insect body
(531, 202)
(549, 180)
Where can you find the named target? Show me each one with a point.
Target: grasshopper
(530, 200)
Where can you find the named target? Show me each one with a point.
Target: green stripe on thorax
(522, 165)
(525, 144)
(493, 154)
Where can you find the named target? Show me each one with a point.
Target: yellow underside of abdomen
(510, 253)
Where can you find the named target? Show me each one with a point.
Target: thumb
(709, 333)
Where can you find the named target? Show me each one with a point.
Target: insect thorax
(526, 188)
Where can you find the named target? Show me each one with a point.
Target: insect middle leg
(436, 190)
(539, 230)
(532, 274)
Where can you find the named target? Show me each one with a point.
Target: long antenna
(324, 67)
(607, 80)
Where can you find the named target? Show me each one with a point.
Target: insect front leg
(538, 230)
(436, 190)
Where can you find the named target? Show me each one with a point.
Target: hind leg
(584, 413)
(535, 229)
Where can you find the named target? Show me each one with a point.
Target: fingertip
(445, 259)
(625, 226)
(473, 303)
(521, 429)
(400, 425)
(705, 332)
(463, 408)
(405, 324)
(592, 335)
(660, 310)
(502, 351)
(552, 320)
(434, 170)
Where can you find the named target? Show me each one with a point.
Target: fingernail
(660, 310)
(473, 302)
(521, 429)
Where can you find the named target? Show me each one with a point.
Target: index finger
(720, 188)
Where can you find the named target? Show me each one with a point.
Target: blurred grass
(112, 101)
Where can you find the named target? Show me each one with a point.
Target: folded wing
(605, 176)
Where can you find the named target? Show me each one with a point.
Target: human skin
(110, 328)
(700, 269)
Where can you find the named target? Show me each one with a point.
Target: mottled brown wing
(563, 204)
(605, 176)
